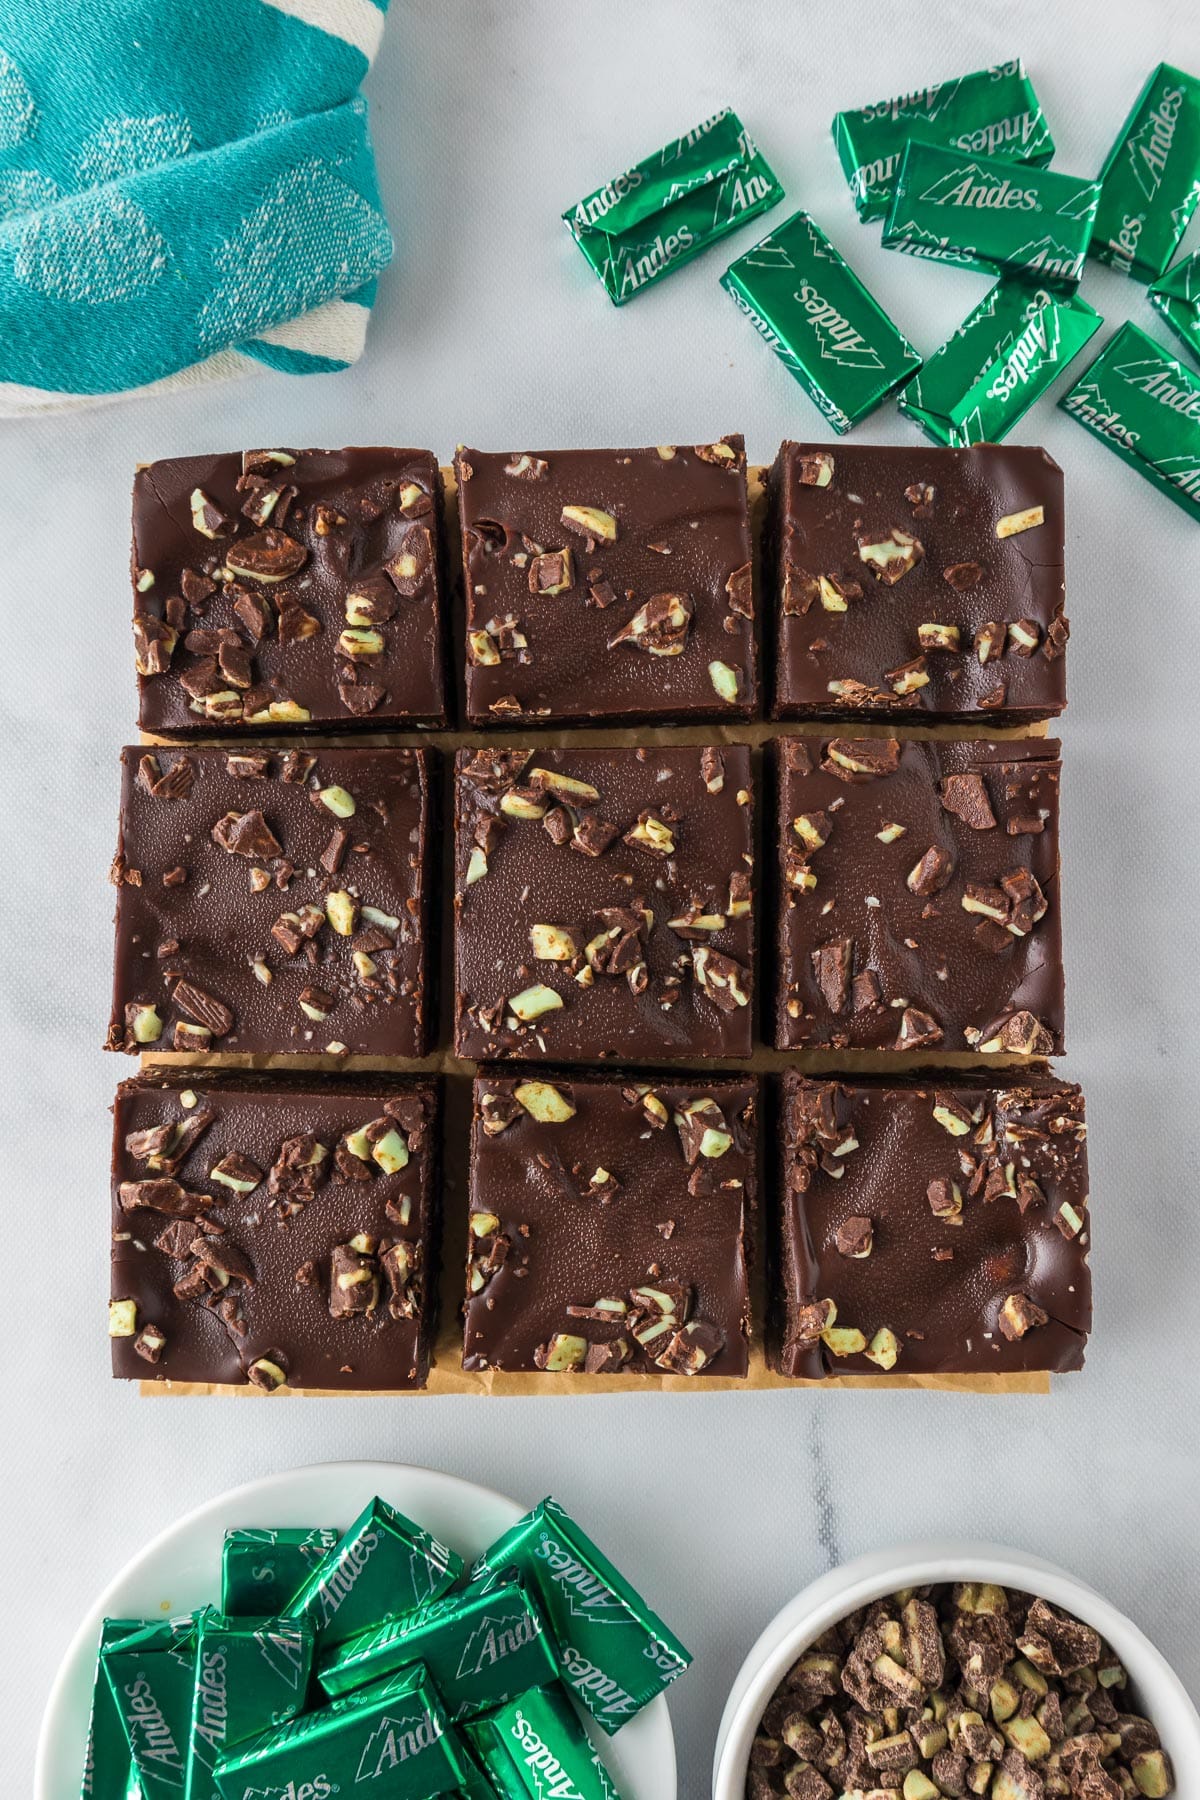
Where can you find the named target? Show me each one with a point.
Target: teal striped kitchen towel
(186, 190)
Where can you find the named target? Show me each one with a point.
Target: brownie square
(293, 588)
(909, 581)
(604, 903)
(610, 1225)
(608, 584)
(918, 895)
(274, 1226)
(936, 1229)
(273, 901)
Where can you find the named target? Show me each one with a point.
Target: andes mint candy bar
(981, 212)
(665, 210)
(251, 1674)
(1006, 353)
(261, 1570)
(535, 1747)
(151, 1675)
(1145, 406)
(383, 1567)
(993, 112)
(108, 1772)
(482, 1648)
(614, 1654)
(1150, 182)
(394, 1734)
(807, 303)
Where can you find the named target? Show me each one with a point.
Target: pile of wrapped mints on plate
(375, 1655)
(957, 173)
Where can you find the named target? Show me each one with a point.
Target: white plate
(181, 1570)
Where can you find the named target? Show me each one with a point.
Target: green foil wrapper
(807, 303)
(151, 1676)
(613, 1652)
(1145, 406)
(993, 112)
(261, 1570)
(475, 1785)
(984, 213)
(383, 1567)
(480, 1648)
(1150, 182)
(536, 1749)
(665, 210)
(1177, 297)
(1015, 344)
(393, 1738)
(251, 1674)
(108, 1772)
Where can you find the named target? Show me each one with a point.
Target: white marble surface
(489, 119)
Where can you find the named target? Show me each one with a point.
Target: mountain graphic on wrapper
(768, 255)
(1181, 471)
(947, 189)
(283, 1653)
(819, 244)
(916, 240)
(396, 1741)
(320, 1788)
(971, 429)
(773, 254)
(1047, 255)
(1078, 205)
(606, 1610)
(1181, 214)
(1089, 392)
(844, 346)
(936, 99)
(494, 1639)
(1184, 282)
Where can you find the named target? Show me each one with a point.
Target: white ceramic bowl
(180, 1571)
(1160, 1693)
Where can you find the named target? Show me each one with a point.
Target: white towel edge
(18, 401)
(356, 22)
(337, 329)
